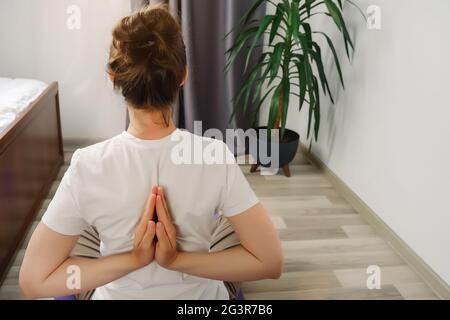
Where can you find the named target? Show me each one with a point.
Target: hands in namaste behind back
(155, 240)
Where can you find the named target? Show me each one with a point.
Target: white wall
(36, 43)
(388, 136)
(15, 48)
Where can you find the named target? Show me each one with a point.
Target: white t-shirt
(107, 185)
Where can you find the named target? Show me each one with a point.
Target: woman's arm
(258, 257)
(44, 272)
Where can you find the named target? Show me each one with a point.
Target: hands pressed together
(155, 236)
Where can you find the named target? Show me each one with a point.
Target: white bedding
(15, 96)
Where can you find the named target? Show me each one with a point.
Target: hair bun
(148, 53)
(139, 37)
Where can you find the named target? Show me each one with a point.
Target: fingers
(164, 218)
(149, 210)
(147, 240)
(161, 211)
(165, 214)
(163, 238)
(148, 215)
(146, 230)
(163, 196)
(170, 227)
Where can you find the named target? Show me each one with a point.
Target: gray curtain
(208, 93)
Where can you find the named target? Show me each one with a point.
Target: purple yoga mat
(66, 298)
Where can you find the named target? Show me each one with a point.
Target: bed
(31, 154)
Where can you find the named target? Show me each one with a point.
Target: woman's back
(108, 184)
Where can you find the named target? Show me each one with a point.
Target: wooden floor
(327, 245)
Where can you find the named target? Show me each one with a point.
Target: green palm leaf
(266, 21)
(292, 57)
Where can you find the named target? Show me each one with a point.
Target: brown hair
(148, 58)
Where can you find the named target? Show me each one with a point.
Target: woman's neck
(147, 125)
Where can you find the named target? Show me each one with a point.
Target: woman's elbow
(274, 267)
(277, 269)
(28, 286)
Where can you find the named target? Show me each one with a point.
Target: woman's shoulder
(93, 153)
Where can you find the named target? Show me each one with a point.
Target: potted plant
(290, 65)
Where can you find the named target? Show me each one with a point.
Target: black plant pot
(287, 146)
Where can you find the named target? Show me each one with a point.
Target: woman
(147, 251)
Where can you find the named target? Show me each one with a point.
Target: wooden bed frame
(31, 154)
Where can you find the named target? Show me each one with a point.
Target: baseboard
(431, 278)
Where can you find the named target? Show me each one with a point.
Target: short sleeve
(239, 195)
(63, 214)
